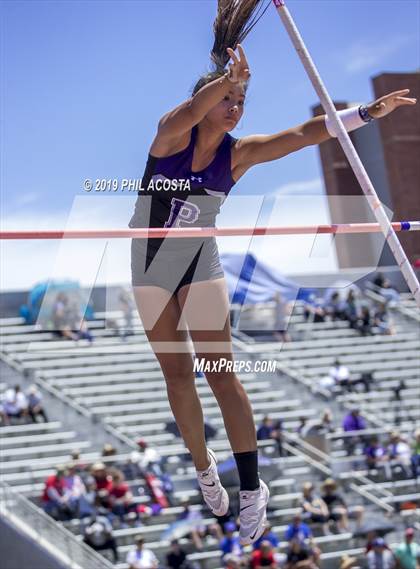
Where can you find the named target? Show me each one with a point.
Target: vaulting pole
(350, 151)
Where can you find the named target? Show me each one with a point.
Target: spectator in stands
(176, 558)
(340, 374)
(35, 407)
(297, 530)
(383, 321)
(340, 377)
(322, 425)
(399, 453)
(379, 280)
(98, 535)
(335, 307)
(314, 312)
(59, 317)
(78, 324)
(415, 456)
(353, 421)
(398, 389)
(263, 556)
(300, 556)
(399, 411)
(54, 498)
(382, 286)
(167, 487)
(327, 422)
(314, 509)
(300, 429)
(14, 405)
(197, 530)
(140, 557)
(351, 309)
(127, 306)
(371, 536)
(103, 480)
(271, 430)
(79, 466)
(366, 379)
(120, 496)
(131, 469)
(267, 535)
(230, 542)
(150, 459)
(337, 507)
(281, 318)
(74, 488)
(87, 499)
(406, 554)
(364, 322)
(380, 557)
(109, 450)
(67, 320)
(377, 457)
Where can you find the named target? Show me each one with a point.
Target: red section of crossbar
(197, 231)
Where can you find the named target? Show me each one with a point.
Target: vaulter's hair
(234, 20)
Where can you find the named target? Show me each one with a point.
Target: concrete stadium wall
(19, 551)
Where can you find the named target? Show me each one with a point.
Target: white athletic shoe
(252, 513)
(215, 496)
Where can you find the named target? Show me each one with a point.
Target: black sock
(247, 463)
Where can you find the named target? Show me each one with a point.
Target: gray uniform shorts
(172, 267)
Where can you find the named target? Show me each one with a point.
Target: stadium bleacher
(118, 386)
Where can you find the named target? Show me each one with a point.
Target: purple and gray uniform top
(192, 200)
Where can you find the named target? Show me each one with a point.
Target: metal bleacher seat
(122, 385)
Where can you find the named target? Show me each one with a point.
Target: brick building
(389, 149)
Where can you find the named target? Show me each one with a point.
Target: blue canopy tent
(36, 296)
(251, 281)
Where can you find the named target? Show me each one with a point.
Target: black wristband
(364, 114)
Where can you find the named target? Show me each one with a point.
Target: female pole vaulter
(193, 145)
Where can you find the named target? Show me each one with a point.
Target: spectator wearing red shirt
(54, 498)
(102, 477)
(103, 481)
(264, 556)
(120, 496)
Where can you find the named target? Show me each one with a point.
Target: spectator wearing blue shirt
(230, 543)
(335, 307)
(297, 530)
(268, 535)
(351, 309)
(353, 421)
(35, 407)
(270, 430)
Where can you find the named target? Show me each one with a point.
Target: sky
(84, 84)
